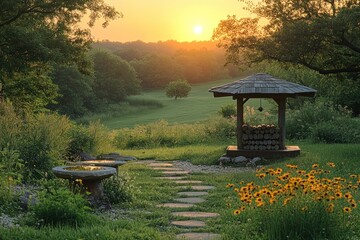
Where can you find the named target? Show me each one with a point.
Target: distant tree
(178, 89)
(321, 35)
(115, 79)
(76, 94)
(156, 71)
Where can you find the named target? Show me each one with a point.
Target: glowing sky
(161, 20)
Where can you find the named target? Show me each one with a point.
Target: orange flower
(230, 185)
(331, 164)
(315, 165)
(237, 212)
(347, 210)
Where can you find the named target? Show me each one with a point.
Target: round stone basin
(102, 162)
(83, 172)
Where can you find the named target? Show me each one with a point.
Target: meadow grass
(198, 106)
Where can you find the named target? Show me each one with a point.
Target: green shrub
(10, 175)
(94, 139)
(220, 128)
(57, 205)
(342, 130)
(119, 189)
(41, 140)
(228, 111)
(300, 123)
(44, 142)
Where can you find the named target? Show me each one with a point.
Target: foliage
(92, 139)
(32, 90)
(343, 130)
(57, 205)
(76, 94)
(323, 37)
(40, 32)
(178, 89)
(337, 89)
(156, 71)
(115, 79)
(159, 134)
(10, 175)
(41, 139)
(300, 204)
(119, 189)
(228, 111)
(321, 121)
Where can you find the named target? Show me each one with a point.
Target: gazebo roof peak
(262, 85)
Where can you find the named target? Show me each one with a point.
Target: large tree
(115, 79)
(38, 34)
(321, 35)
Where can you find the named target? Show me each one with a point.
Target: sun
(197, 29)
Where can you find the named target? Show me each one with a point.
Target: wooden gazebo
(262, 85)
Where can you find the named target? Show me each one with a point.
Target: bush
(301, 123)
(94, 139)
(220, 128)
(10, 175)
(342, 130)
(228, 111)
(41, 140)
(57, 205)
(119, 189)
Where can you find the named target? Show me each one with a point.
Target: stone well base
(290, 151)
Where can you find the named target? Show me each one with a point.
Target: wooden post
(240, 121)
(281, 120)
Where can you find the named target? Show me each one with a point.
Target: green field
(198, 106)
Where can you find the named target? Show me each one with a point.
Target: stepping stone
(192, 194)
(167, 169)
(170, 178)
(202, 188)
(176, 205)
(188, 182)
(189, 223)
(195, 214)
(190, 200)
(160, 164)
(174, 173)
(198, 236)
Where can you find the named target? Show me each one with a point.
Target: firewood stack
(261, 137)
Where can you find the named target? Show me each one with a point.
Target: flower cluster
(281, 186)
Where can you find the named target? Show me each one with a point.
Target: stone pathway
(186, 200)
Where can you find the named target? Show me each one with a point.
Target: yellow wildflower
(331, 164)
(347, 210)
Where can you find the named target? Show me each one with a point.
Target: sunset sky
(161, 20)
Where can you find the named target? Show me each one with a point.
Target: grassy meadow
(198, 106)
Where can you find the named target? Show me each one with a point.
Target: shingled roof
(262, 85)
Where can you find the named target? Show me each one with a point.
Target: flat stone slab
(192, 194)
(170, 178)
(188, 182)
(190, 200)
(167, 169)
(160, 164)
(176, 205)
(202, 188)
(175, 173)
(189, 223)
(195, 214)
(198, 236)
